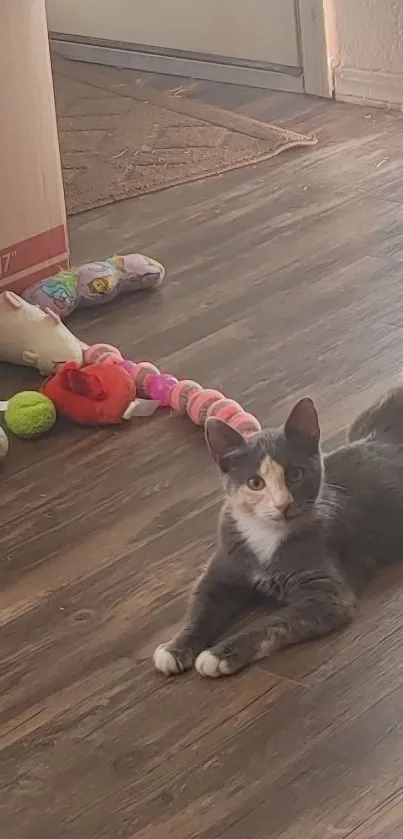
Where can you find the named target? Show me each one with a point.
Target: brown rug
(119, 139)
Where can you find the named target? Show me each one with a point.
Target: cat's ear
(222, 440)
(303, 423)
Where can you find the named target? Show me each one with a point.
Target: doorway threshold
(177, 63)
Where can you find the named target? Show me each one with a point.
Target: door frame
(315, 30)
(315, 75)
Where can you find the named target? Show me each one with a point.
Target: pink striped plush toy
(184, 397)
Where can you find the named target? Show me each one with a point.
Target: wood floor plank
(93, 739)
(308, 767)
(299, 761)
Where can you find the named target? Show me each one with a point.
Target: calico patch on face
(264, 494)
(274, 474)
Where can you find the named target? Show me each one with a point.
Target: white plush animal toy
(36, 338)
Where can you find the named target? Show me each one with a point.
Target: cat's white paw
(165, 661)
(208, 664)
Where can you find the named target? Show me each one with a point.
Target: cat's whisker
(336, 487)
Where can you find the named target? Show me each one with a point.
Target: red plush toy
(99, 394)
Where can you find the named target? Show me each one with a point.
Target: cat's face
(274, 475)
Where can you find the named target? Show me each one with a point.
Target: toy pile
(93, 385)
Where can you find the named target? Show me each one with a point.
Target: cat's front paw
(172, 661)
(211, 665)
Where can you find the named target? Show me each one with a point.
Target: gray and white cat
(302, 530)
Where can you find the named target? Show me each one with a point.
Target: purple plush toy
(95, 283)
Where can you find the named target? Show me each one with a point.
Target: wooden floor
(285, 278)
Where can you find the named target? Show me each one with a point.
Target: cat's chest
(263, 541)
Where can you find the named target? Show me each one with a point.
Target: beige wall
(370, 34)
(368, 51)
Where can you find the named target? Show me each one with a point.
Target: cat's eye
(294, 474)
(256, 483)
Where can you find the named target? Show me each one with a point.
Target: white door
(256, 37)
(254, 30)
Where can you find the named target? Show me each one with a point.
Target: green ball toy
(30, 414)
(3, 443)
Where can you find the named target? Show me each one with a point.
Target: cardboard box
(33, 233)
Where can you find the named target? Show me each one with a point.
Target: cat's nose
(283, 505)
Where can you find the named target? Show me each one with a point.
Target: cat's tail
(383, 420)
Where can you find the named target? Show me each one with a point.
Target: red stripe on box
(32, 252)
(33, 276)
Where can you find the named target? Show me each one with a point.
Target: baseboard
(177, 66)
(370, 87)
